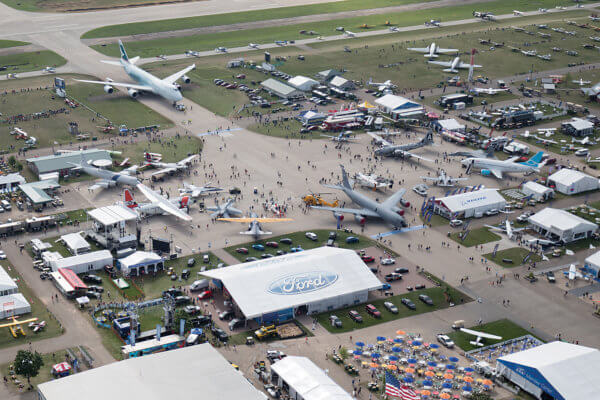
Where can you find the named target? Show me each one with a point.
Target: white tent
(536, 191)
(302, 83)
(562, 370)
(557, 224)
(469, 204)
(76, 243)
(570, 181)
(306, 380)
(140, 261)
(13, 304)
(7, 284)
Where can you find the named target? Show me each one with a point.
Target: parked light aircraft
(388, 211)
(443, 179)
(192, 53)
(254, 228)
(480, 336)
(197, 191)
(388, 149)
(146, 82)
(506, 229)
(517, 13)
(498, 167)
(382, 86)
(224, 210)
(169, 168)
(342, 137)
(584, 141)
(108, 178)
(15, 325)
(454, 65)
(154, 207)
(432, 51)
(490, 91)
(221, 49)
(350, 34)
(253, 46)
(372, 181)
(581, 82)
(163, 203)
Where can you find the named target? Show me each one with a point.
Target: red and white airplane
(158, 204)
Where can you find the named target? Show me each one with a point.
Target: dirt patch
(289, 331)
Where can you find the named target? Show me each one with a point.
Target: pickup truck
(393, 277)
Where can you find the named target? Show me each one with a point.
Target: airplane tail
(184, 202)
(123, 52)
(129, 201)
(345, 180)
(535, 160)
(428, 138)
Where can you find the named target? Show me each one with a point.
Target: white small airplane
(154, 206)
(529, 53)
(507, 229)
(517, 13)
(221, 49)
(581, 82)
(382, 86)
(433, 22)
(454, 65)
(343, 137)
(432, 51)
(547, 131)
(394, 29)
(561, 7)
(372, 181)
(545, 57)
(192, 53)
(541, 242)
(197, 191)
(166, 205)
(490, 91)
(595, 38)
(480, 336)
(254, 228)
(253, 46)
(161, 57)
(146, 82)
(281, 42)
(584, 141)
(20, 133)
(573, 273)
(169, 168)
(49, 70)
(443, 180)
(349, 34)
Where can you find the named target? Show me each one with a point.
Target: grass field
(516, 254)
(118, 108)
(4, 44)
(173, 149)
(45, 375)
(475, 237)
(38, 310)
(299, 239)
(436, 294)
(174, 45)
(32, 61)
(238, 17)
(504, 328)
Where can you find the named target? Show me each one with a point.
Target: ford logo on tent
(303, 283)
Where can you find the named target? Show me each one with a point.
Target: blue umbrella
(397, 349)
(427, 383)
(453, 359)
(467, 388)
(416, 343)
(411, 361)
(375, 355)
(409, 375)
(393, 358)
(360, 344)
(380, 338)
(486, 386)
(357, 352)
(450, 366)
(432, 364)
(442, 357)
(408, 379)
(447, 385)
(434, 346)
(398, 340)
(469, 369)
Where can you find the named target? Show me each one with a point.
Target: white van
(199, 285)
(6, 205)
(206, 258)
(192, 339)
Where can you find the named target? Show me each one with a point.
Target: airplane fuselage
(167, 90)
(502, 166)
(388, 215)
(111, 176)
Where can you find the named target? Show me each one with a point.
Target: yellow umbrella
(425, 392)
(438, 374)
(433, 350)
(381, 342)
(364, 363)
(415, 347)
(445, 396)
(468, 379)
(448, 376)
(383, 365)
(400, 332)
(419, 371)
(429, 373)
(479, 380)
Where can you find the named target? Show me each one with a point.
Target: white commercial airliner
(498, 167)
(146, 82)
(454, 65)
(432, 50)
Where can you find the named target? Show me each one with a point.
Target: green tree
(28, 364)
(344, 353)
(179, 315)
(12, 161)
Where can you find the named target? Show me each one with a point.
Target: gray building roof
(279, 88)
(57, 162)
(36, 191)
(11, 179)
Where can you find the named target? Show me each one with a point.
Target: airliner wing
(177, 75)
(163, 203)
(164, 171)
(496, 172)
(394, 199)
(187, 160)
(363, 211)
(417, 156)
(419, 49)
(125, 85)
(446, 50)
(250, 219)
(101, 184)
(443, 63)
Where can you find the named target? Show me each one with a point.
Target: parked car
(550, 276)
(219, 333)
(236, 323)
(2, 255)
(426, 299)
(367, 259)
(312, 236)
(207, 294)
(272, 390)
(372, 310)
(455, 223)
(200, 320)
(335, 321)
(173, 292)
(287, 241)
(191, 262)
(226, 315)
(185, 274)
(393, 277)
(355, 316)
(491, 212)
(420, 286)
(391, 307)
(258, 247)
(445, 341)
(401, 270)
(97, 289)
(249, 259)
(91, 279)
(272, 244)
(330, 243)
(181, 300)
(352, 240)
(388, 261)
(191, 309)
(408, 303)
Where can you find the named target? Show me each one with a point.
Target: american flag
(408, 394)
(395, 389)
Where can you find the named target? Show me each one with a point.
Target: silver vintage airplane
(196, 191)
(254, 227)
(224, 210)
(388, 149)
(108, 178)
(388, 211)
(432, 51)
(170, 168)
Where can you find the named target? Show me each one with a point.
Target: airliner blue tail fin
(535, 160)
(123, 52)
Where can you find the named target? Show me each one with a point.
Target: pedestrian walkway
(225, 257)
